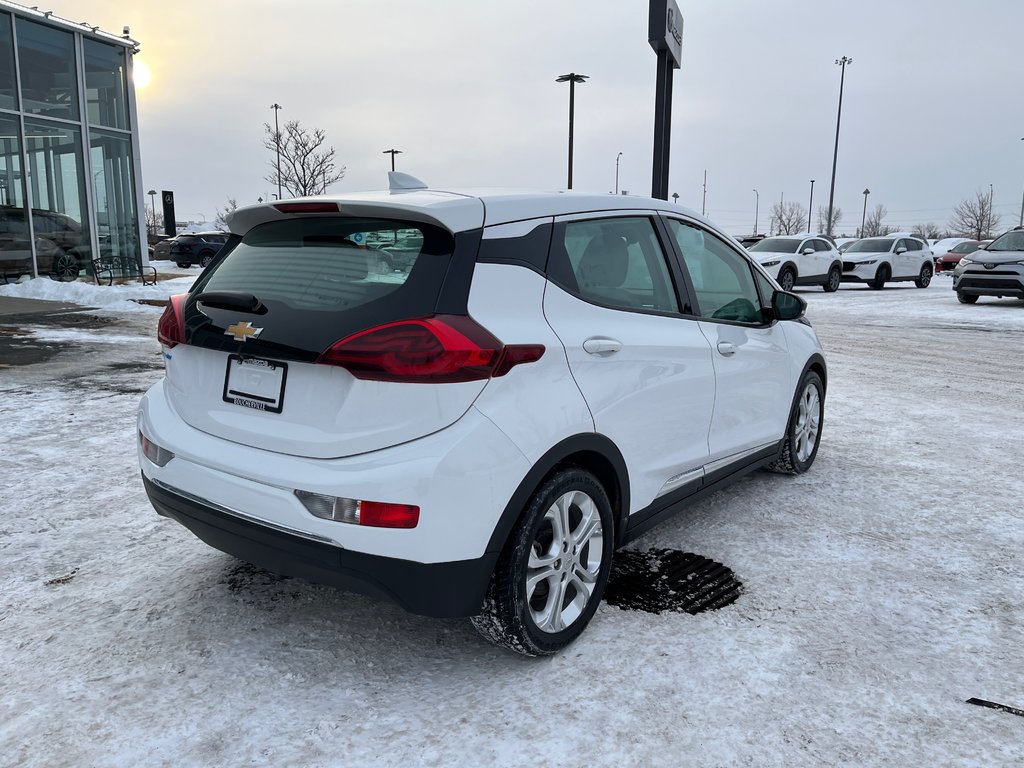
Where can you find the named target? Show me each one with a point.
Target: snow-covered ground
(881, 590)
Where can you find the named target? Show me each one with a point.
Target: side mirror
(901, 249)
(982, 247)
(807, 251)
(787, 306)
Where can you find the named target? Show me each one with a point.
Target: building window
(54, 152)
(49, 86)
(8, 92)
(105, 88)
(117, 222)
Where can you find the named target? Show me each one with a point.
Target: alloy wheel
(564, 562)
(807, 422)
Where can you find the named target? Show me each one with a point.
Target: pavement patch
(661, 580)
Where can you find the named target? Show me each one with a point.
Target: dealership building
(70, 190)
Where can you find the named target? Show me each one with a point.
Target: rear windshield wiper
(244, 302)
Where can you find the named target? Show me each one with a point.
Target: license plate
(253, 382)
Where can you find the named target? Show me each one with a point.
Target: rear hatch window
(321, 279)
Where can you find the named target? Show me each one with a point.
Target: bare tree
(788, 218)
(222, 215)
(307, 163)
(929, 231)
(873, 226)
(974, 217)
(823, 223)
(154, 221)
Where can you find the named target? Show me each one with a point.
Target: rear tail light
(438, 349)
(377, 514)
(171, 330)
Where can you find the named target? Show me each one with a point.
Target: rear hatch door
(258, 320)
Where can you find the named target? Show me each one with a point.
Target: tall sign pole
(665, 34)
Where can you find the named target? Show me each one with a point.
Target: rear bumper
(442, 590)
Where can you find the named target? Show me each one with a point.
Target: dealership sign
(665, 29)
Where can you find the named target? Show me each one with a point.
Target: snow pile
(122, 298)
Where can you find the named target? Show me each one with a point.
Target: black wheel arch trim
(817, 362)
(556, 457)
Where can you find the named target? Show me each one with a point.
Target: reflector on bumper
(357, 512)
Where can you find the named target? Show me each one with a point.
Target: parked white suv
(474, 433)
(800, 260)
(892, 258)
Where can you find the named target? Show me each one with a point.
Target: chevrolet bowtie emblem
(243, 331)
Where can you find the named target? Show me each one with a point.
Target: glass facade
(69, 194)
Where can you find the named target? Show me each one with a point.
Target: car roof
(459, 209)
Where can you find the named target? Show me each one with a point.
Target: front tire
(925, 278)
(881, 276)
(65, 267)
(205, 259)
(787, 279)
(552, 573)
(803, 432)
(835, 277)
(966, 298)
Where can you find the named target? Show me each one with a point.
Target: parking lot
(881, 590)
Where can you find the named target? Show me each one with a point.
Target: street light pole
(277, 141)
(1021, 222)
(864, 213)
(835, 155)
(704, 200)
(990, 194)
(152, 203)
(392, 152)
(810, 206)
(757, 207)
(617, 158)
(572, 78)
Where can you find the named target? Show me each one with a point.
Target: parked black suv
(198, 248)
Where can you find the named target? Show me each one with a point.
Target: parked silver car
(996, 271)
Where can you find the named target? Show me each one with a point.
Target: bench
(107, 267)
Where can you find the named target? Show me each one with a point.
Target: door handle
(602, 346)
(727, 349)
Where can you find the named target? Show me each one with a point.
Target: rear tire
(966, 298)
(183, 264)
(787, 279)
(205, 259)
(803, 433)
(881, 276)
(551, 576)
(925, 278)
(835, 277)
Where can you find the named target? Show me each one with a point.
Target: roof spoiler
(398, 182)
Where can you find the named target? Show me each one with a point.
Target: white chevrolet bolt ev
(474, 432)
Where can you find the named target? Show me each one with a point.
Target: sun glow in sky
(143, 76)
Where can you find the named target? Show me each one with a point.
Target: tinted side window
(821, 245)
(722, 279)
(913, 245)
(616, 262)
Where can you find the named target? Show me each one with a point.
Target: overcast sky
(465, 88)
